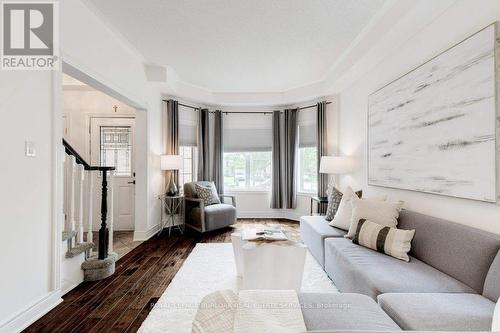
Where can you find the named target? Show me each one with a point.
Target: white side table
(273, 265)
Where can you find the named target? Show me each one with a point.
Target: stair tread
(79, 248)
(68, 235)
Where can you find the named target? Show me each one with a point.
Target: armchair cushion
(216, 216)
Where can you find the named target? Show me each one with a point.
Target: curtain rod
(246, 112)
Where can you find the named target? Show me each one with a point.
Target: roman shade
(247, 132)
(188, 126)
(306, 121)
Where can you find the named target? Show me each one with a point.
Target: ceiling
(241, 45)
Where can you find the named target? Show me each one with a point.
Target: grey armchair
(206, 218)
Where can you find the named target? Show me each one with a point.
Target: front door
(112, 144)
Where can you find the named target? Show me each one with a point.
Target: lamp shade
(171, 162)
(337, 165)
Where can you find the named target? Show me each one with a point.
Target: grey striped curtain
(322, 143)
(218, 171)
(204, 146)
(290, 147)
(277, 183)
(171, 128)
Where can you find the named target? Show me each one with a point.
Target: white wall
(25, 199)
(459, 21)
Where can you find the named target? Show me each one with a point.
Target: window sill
(247, 192)
(306, 194)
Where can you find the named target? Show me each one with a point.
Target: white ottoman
(273, 265)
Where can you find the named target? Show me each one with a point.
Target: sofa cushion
(313, 231)
(460, 251)
(354, 268)
(492, 282)
(439, 312)
(333, 311)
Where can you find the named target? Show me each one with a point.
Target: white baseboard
(140, 235)
(31, 314)
(67, 286)
(278, 214)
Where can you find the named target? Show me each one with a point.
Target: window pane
(308, 177)
(188, 166)
(188, 173)
(247, 170)
(116, 149)
(234, 170)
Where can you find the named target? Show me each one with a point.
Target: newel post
(103, 231)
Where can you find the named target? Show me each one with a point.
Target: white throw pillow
(391, 241)
(342, 218)
(495, 326)
(385, 213)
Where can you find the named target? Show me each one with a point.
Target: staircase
(79, 263)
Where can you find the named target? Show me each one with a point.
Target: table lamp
(336, 165)
(171, 163)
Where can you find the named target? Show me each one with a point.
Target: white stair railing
(71, 195)
(78, 205)
(80, 179)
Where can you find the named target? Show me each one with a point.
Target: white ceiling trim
(395, 23)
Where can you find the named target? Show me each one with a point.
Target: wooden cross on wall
(115, 107)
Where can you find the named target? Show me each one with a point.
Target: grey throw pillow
(208, 193)
(334, 199)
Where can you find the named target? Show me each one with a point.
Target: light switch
(30, 149)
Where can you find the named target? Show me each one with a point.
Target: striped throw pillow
(391, 241)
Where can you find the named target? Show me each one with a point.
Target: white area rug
(208, 268)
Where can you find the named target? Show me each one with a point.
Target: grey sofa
(207, 218)
(451, 282)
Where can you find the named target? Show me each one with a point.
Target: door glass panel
(116, 149)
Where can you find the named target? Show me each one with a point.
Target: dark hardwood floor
(121, 302)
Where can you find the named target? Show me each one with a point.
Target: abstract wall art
(434, 129)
